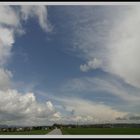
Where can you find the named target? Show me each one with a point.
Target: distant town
(6, 128)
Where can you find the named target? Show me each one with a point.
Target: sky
(69, 64)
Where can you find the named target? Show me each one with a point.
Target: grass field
(32, 132)
(100, 131)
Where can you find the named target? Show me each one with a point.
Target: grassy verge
(32, 132)
(100, 131)
(64, 131)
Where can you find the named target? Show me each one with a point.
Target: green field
(100, 131)
(32, 132)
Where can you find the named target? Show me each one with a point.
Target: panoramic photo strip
(69, 69)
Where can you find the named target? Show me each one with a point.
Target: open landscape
(32, 132)
(71, 69)
(57, 129)
(100, 131)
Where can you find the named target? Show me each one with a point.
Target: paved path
(55, 132)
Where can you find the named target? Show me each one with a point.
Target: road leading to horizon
(55, 132)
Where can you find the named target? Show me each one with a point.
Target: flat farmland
(100, 131)
(32, 132)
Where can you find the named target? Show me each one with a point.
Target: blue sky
(69, 63)
(45, 55)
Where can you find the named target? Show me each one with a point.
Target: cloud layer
(109, 86)
(84, 111)
(11, 25)
(105, 40)
(15, 107)
(109, 40)
(5, 79)
(36, 11)
(124, 47)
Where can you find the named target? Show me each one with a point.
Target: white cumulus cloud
(92, 64)
(18, 106)
(112, 36)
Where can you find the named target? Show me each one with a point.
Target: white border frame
(69, 136)
(69, 3)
